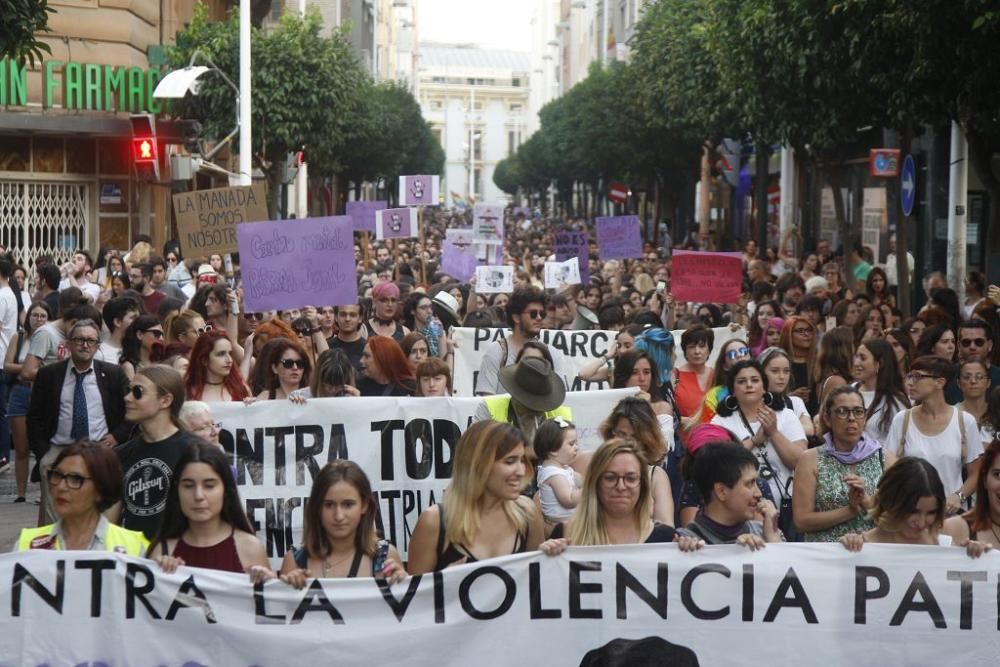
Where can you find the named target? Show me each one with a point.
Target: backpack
(906, 427)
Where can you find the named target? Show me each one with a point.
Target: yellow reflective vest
(499, 407)
(117, 539)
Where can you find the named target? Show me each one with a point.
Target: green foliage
(20, 21)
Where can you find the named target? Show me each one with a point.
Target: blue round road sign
(908, 185)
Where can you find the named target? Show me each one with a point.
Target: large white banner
(888, 606)
(404, 445)
(578, 348)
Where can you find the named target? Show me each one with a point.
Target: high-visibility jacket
(499, 407)
(116, 538)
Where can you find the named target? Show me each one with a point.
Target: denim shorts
(19, 397)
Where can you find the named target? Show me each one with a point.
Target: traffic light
(145, 155)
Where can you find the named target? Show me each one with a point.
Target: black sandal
(20, 499)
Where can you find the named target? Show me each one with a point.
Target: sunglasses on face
(137, 392)
(969, 342)
(305, 332)
(738, 353)
(157, 333)
(535, 314)
(253, 317)
(293, 363)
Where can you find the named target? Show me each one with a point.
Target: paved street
(14, 517)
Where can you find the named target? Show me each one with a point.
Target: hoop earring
(731, 403)
(768, 399)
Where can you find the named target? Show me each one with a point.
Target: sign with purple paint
(419, 190)
(570, 244)
(293, 263)
(363, 213)
(619, 237)
(487, 223)
(396, 223)
(458, 260)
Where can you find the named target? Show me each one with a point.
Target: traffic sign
(883, 162)
(618, 192)
(908, 185)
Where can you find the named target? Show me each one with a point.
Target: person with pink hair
(385, 313)
(772, 332)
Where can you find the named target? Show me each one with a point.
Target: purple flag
(619, 237)
(574, 244)
(418, 190)
(293, 263)
(458, 261)
(363, 214)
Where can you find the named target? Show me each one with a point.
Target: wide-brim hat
(445, 304)
(534, 384)
(206, 270)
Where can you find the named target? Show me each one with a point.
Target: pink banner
(706, 277)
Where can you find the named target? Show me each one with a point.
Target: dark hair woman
(692, 379)
(138, 341)
(938, 340)
(339, 538)
(877, 287)
(204, 523)
(984, 518)
(902, 348)
(909, 508)
(833, 365)
(288, 367)
(881, 386)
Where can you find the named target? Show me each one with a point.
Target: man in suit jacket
(79, 398)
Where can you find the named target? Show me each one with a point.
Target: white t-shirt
(109, 353)
(789, 426)
(943, 451)
(8, 318)
(551, 507)
(799, 409)
(872, 429)
(90, 290)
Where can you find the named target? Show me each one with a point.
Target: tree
(308, 91)
(20, 23)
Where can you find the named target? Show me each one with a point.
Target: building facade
(477, 102)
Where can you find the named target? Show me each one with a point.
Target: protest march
(483, 424)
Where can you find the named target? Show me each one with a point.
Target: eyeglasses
(84, 342)
(172, 260)
(611, 480)
(738, 353)
(137, 392)
(293, 363)
(802, 331)
(845, 413)
(535, 314)
(915, 377)
(977, 377)
(199, 330)
(157, 333)
(254, 317)
(304, 332)
(73, 480)
(978, 342)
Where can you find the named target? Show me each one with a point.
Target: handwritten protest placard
(207, 219)
(396, 223)
(419, 190)
(363, 213)
(619, 237)
(574, 244)
(293, 263)
(458, 260)
(494, 279)
(560, 275)
(487, 223)
(706, 277)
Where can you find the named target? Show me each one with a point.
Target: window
(435, 104)
(477, 146)
(515, 82)
(477, 182)
(511, 142)
(516, 108)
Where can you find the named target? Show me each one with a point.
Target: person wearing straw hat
(535, 393)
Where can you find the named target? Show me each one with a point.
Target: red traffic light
(144, 149)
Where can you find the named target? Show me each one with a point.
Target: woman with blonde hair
(183, 327)
(483, 514)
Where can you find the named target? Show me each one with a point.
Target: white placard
(494, 279)
(560, 275)
(487, 223)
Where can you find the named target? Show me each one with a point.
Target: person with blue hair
(659, 345)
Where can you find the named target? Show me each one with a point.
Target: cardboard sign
(207, 219)
(619, 237)
(293, 263)
(560, 275)
(706, 277)
(396, 223)
(487, 223)
(494, 279)
(458, 260)
(363, 214)
(418, 190)
(574, 244)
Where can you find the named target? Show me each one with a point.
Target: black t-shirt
(148, 468)
(353, 350)
(661, 533)
(369, 387)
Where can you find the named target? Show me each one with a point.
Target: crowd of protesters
(831, 417)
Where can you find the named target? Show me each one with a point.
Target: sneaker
(20, 499)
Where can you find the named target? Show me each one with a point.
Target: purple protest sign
(458, 260)
(619, 237)
(293, 263)
(418, 190)
(396, 223)
(363, 213)
(571, 244)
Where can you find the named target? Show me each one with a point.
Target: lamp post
(246, 132)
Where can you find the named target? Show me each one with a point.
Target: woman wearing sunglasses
(834, 483)
(138, 341)
(289, 368)
(732, 352)
(184, 327)
(85, 479)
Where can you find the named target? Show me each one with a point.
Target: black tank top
(453, 553)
